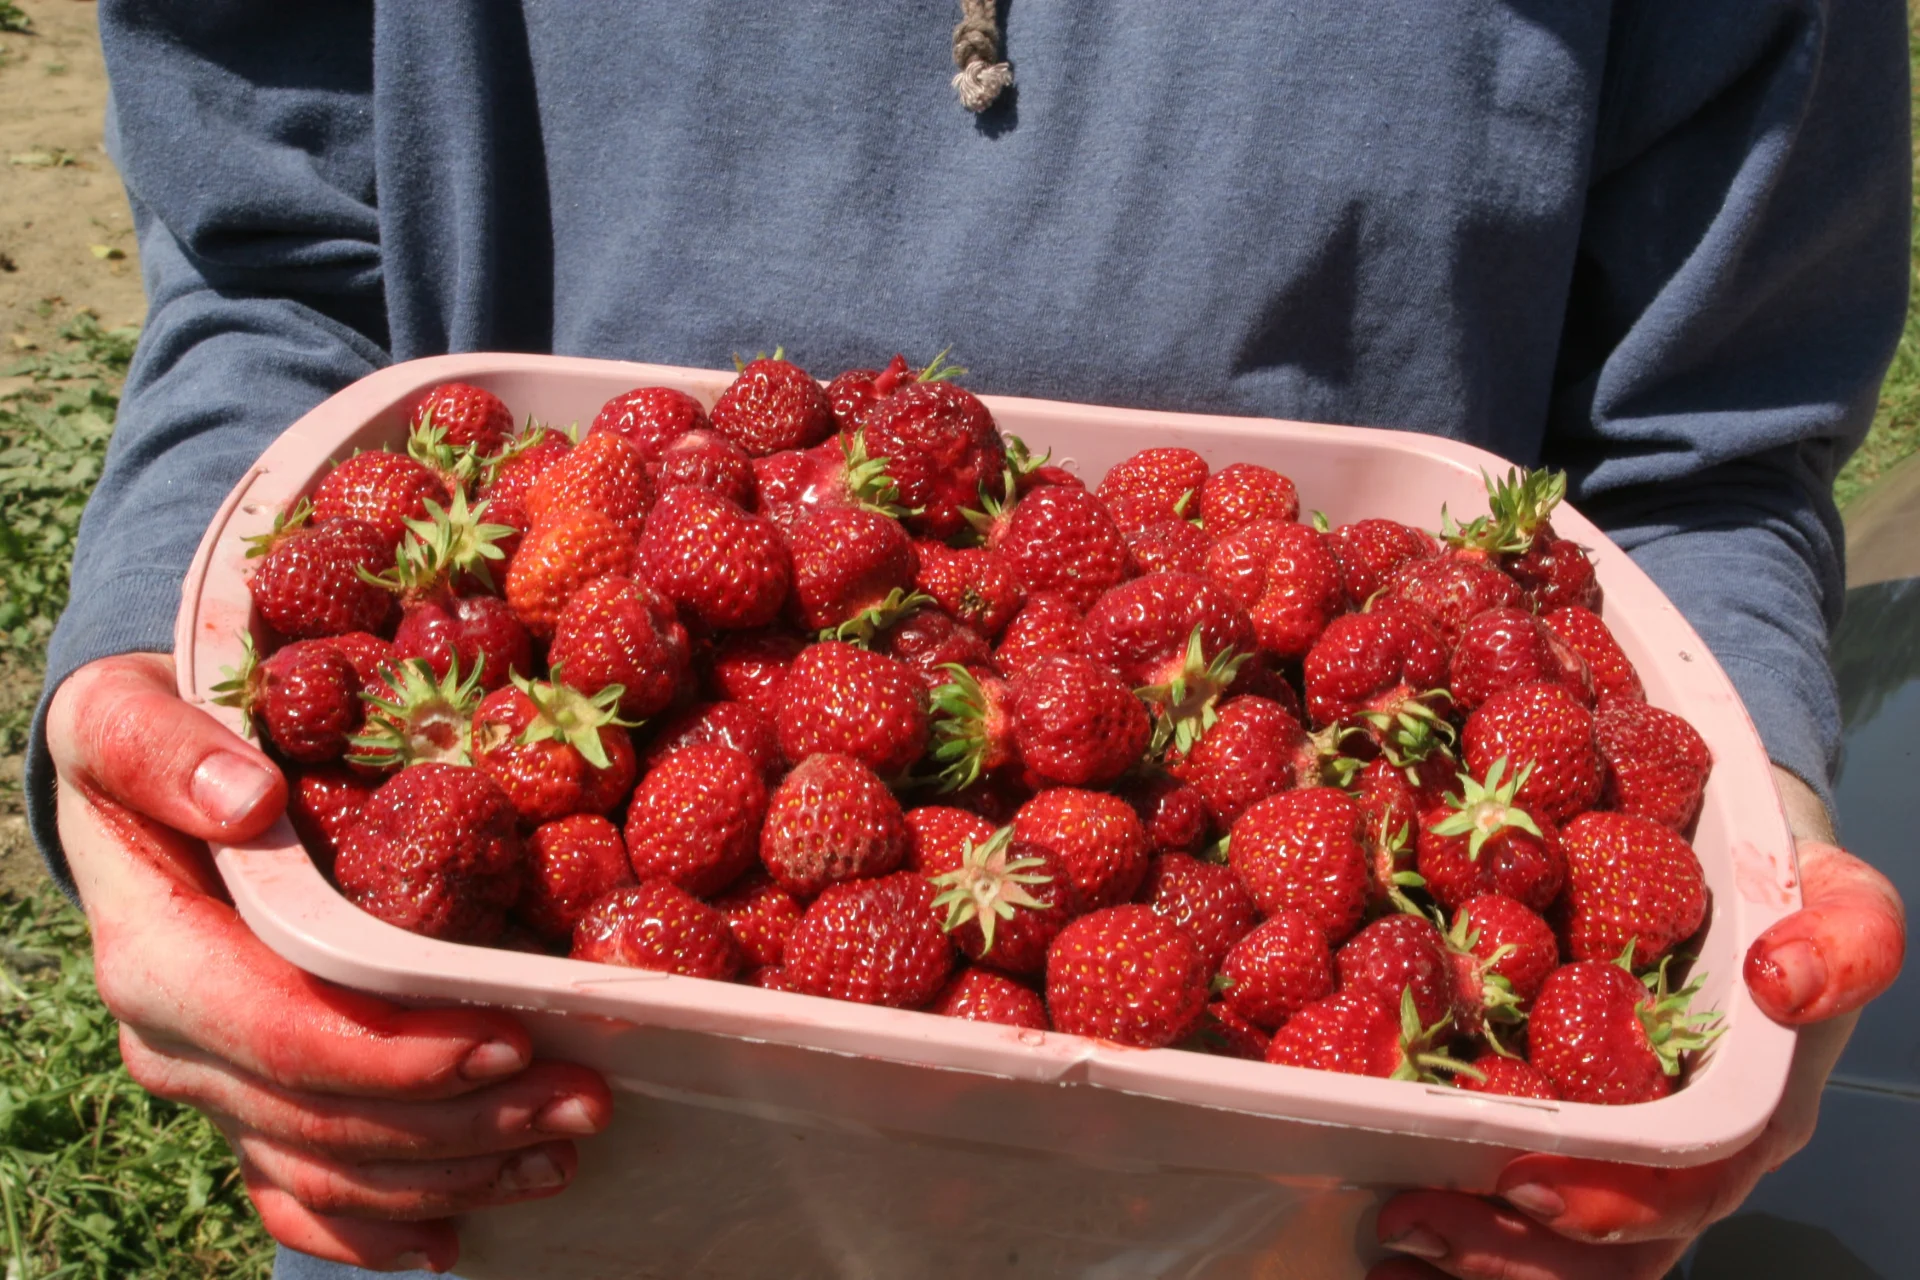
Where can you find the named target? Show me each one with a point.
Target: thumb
(117, 726)
(1840, 950)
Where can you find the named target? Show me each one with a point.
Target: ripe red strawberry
(1389, 813)
(1169, 546)
(1076, 723)
(837, 473)
(719, 724)
(773, 405)
(1062, 540)
(828, 821)
(414, 718)
(1125, 974)
(839, 698)
(1302, 592)
(1481, 841)
(1352, 1032)
(1628, 880)
(1584, 633)
(938, 836)
(1396, 955)
(1505, 648)
(618, 630)
(570, 863)
(1173, 813)
(1235, 496)
(723, 567)
(602, 473)
(932, 643)
(1252, 751)
(1511, 1077)
(1237, 563)
(852, 390)
(972, 727)
(379, 488)
(1278, 969)
(1202, 898)
(1370, 551)
(1154, 484)
(323, 802)
(706, 460)
(1300, 850)
(768, 977)
(981, 995)
(1494, 937)
(659, 926)
(976, 586)
(1554, 573)
(871, 941)
(1546, 729)
(761, 915)
(559, 557)
(1047, 624)
(1378, 663)
(1004, 903)
(308, 582)
(510, 475)
(1224, 1031)
(478, 633)
(1599, 1034)
(695, 819)
(649, 418)
(1449, 590)
(1144, 628)
(850, 565)
(470, 417)
(434, 851)
(305, 697)
(1516, 535)
(750, 667)
(1657, 763)
(1097, 836)
(942, 448)
(553, 750)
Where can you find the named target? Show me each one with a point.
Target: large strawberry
(553, 750)
(511, 474)
(750, 667)
(1240, 494)
(559, 557)
(571, 863)
(1203, 898)
(939, 835)
(875, 941)
(1599, 1034)
(415, 718)
(1048, 624)
(379, 488)
(1503, 648)
(1370, 551)
(649, 418)
(479, 634)
(1301, 594)
(1584, 633)
(852, 390)
(1169, 546)
(773, 405)
(1548, 731)
(695, 818)
(706, 460)
(1005, 902)
(1076, 723)
(840, 698)
(723, 567)
(1152, 485)
(1127, 975)
(324, 803)
(1481, 841)
(1178, 637)
(602, 473)
(1353, 1032)
(1062, 540)
(1277, 969)
(1449, 590)
(853, 570)
(1300, 850)
(831, 819)
(1395, 955)
(465, 416)
(975, 585)
(1657, 763)
(1383, 670)
(941, 447)
(657, 925)
(305, 697)
(1629, 880)
(434, 851)
(1252, 750)
(311, 579)
(926, 639)
(1097, 836)
(620, 631)
(1502, 953)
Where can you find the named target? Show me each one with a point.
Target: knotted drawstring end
(976, 51)
(980, 83)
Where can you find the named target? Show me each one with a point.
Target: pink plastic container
(762, 1134)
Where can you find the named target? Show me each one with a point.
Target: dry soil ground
(66, 244)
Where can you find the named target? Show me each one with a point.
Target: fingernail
(492, 1060)
(1419, 1242)
(531, 1171)
(227, 787)
(568, 1116)
(1800, 973)
(414, 1260)
(1531, 1197)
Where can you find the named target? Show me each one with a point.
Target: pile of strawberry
(837, 691)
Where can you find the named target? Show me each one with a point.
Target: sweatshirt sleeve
(1740, 287)
(244, 135)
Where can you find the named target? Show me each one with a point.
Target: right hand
(360, 1127)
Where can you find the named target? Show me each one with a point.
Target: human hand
(1558, 1218)
(360, 1127)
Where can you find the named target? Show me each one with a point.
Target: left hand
(1559, 1218)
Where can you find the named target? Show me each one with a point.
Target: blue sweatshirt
(1661, 245)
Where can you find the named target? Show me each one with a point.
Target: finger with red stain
(408, 1190)
(354, 1242)
(1841, 949)
(1472, 1238)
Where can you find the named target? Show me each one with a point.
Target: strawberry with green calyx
(308, 580)
(1154, 484)
(1552, 571)
(1253, 749)
(1388, 812)
(1549, 728)
(1481, 841)
(465, 416)
(1097, 837)
(1177, 639)
(385, 490)
(421, 718)
(509, 475)
(1186, 706)
(458, 467)
(1599, 1034)
(772, 405)
(305, 697)
(852, 573)
(1005, 903)
(1501, 952)
(1025, 471)
(972, 727)
(942, 446)
(618, 630)
(1374, 664)
(1357, 1034)
(939, 835)
(554, 750)
(1397, 955)
(480, 633)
